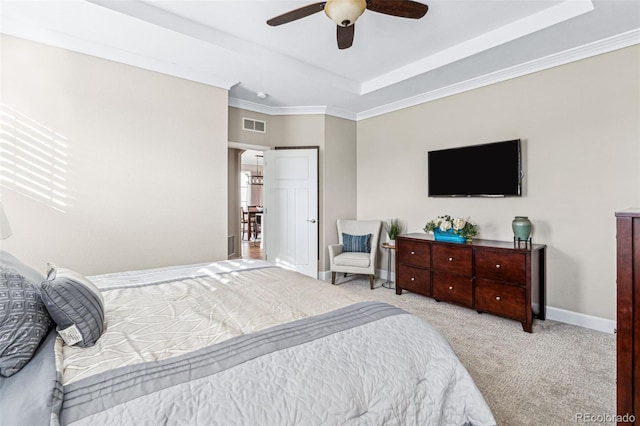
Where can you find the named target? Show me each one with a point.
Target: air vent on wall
(254, 125)
(231, 245)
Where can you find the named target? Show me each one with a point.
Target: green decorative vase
(521, 226)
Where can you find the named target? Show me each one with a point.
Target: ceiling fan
(345, 13)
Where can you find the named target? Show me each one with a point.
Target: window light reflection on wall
(33, 159)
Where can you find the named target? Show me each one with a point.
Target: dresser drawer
(501, 266)
(452, 288)
(449, 258)
(502, 299)
(414, 279)
(415, 253)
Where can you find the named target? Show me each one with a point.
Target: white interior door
(291, 209)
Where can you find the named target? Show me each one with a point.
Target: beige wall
(340, 201)
(146, 154)
(234, 166)
(298, 130)
(581, 127)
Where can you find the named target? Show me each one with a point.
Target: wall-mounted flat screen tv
(488, 170)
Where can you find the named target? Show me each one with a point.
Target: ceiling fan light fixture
(345, 12)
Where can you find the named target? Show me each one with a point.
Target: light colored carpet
(544, 378)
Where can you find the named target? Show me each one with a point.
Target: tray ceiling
(393, 62)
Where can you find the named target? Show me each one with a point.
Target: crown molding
(294, 110)
(340, 113)
(599, 47)
(251, 106)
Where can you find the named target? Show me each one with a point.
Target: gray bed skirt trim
(103, 391)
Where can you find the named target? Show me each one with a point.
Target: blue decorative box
(448, 236)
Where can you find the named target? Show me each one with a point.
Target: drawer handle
(498, 266)
(413, 279)
(451, 259)
(413, 252)
(497, 297)
(450, 287)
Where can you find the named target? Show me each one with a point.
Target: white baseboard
(581, 320)
(554, 314)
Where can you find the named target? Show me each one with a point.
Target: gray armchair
(342, 259)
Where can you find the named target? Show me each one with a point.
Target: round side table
(388, 283)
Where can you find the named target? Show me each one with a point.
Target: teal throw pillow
(356, 243)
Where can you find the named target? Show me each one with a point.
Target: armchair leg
(333, 278)
(371, 281)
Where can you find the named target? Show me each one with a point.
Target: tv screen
(489, 170)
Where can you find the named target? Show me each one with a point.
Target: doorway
(251, 204)
(290, 235)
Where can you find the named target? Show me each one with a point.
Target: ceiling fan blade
(401, 8)
(345, 36)
(296, 14)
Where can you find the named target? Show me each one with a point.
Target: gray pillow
(76, 306)
(10, 261)
(24, 320)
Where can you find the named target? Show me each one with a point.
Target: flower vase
(521, 226)
(448, 236)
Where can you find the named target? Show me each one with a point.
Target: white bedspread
(240, 343)
(223, 300)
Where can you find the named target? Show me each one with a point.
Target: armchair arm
(373, 253)
(334, 250)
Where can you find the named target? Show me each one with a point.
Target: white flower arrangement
(460, 226)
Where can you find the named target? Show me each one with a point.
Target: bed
(242, 343)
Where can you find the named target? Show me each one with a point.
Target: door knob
(311, 220)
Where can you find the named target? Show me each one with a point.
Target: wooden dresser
(628, 313)
(497, 277)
